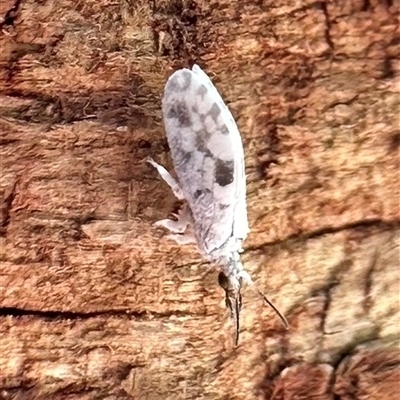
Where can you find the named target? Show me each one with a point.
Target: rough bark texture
(95, 304)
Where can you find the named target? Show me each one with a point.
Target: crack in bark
(366, 6)
(326, 291)
(6, 142)
(302, 237)
(368, 284)
(347, 102)
(5, 208)
(328, 25)
(270, 153)
(71, 315)
(11, 15)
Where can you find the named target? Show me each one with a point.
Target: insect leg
(181, 227)
(187, 238)
(178, 226)
(172, 183)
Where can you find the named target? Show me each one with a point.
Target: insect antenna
(238, 304)
(283, 319)
(233, 301)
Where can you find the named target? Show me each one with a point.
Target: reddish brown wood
(96, 304)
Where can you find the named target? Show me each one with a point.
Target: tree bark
(96, 303)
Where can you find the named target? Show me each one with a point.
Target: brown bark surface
(96, 303)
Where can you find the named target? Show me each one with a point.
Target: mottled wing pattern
(208, 158)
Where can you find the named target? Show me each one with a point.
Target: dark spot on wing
(184, 156)
(202, 138)
(201, 192)
(186, 80)
(202, 91)
(223, 172)
(179, 111)
(224, 129)
(215, 112)
(180, 81)
(172, 85)
(223, 206)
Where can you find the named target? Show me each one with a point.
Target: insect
(208, 158)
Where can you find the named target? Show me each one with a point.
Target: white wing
(208, 158)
